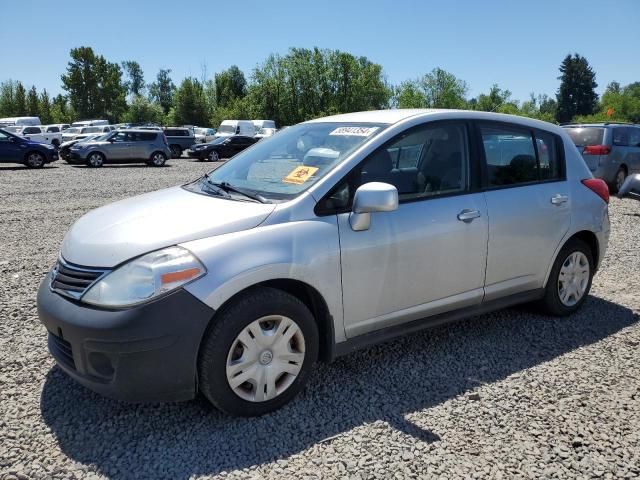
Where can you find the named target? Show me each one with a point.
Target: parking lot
(512, 394)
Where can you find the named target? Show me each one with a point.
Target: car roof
(393, 116)
(139, 130)
(600, 124)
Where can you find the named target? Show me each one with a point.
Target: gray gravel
(508, 395)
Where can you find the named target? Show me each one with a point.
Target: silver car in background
(611, 150)
(123, 146)
(332, 235)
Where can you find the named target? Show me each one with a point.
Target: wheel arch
(312, 299)
(587, 237)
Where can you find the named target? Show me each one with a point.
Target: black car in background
(221, 147)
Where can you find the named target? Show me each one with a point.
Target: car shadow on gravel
(386, 382)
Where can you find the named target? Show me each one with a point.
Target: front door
(429, 255)
(11, 148)
(122, 147)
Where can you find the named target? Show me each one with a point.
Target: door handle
(559, 199)
(467, 215)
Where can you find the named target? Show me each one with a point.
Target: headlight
(145, 278)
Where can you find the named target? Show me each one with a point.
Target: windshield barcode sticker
(355, 131)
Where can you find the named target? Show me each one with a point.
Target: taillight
(597, 186)
(597, 150)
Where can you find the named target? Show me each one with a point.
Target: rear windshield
(583, 137)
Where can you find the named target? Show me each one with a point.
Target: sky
(516, 44)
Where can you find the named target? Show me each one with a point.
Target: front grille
(62, 350)
(73, 281)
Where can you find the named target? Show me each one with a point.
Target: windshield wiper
(227, 187)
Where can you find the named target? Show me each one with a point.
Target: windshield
(227, 129)
(218, 141)
(584, 137)
(284, 165)
(73, 130)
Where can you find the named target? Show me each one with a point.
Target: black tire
(34, 160)
(157, 159)
(95, 160)
(551, 302)
(224, 329)
(176, 151)
(619, 179)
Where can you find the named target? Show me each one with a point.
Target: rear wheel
(258, 353)
(570, 279)
(621, 176)
(95, 160)
(35, 160)
(157, 159)
(213, 156)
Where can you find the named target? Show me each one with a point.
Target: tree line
(297, 86)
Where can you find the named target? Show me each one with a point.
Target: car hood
(109, 235)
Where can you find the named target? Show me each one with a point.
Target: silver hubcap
(620, 179)
(158, 159)
(213, 156)
(573, 278)
(95, 160)
(265, 358)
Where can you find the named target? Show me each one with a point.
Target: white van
(259, 124)
(90, 123)
(20, 121)
(236, 127)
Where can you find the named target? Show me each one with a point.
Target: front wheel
(570, 279)
(621, 176)
(213, 156)
(258, 353)
(35, 160)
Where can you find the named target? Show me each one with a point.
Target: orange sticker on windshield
(299, 175)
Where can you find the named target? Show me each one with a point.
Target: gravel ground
(509, 395)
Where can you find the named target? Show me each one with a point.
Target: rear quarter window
(147, 137)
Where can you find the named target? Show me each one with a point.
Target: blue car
(16, 149)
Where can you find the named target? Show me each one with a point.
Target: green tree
(576, 95)
(190, 103)
(60, 110)
(230, 84)
(162, 90)
(135, 78)
(141, 110)
(20, 102)
(44, 108)
(33, 107)
(436, 89)
(94, 85)
(497, 100)
(8, 98)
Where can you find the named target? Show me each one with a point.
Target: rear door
(528, 202)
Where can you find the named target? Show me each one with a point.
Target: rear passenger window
(510, 156)
(634, 137)
(146, 137)
(621, 136)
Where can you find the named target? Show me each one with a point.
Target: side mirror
(372, 197)
(631, 187)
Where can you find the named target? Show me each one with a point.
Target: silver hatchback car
(332, 235)
(123, 146)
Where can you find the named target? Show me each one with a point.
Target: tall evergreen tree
(8, 98)
(576, 95)
(190, 106)
(33, 107)
(20, 102)
(135, 78)
(44, 108)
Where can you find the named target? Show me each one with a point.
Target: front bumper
(75, 156)
(144, 353)
(199, 154)
(52, 156)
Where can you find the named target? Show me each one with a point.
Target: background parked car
(236, 127)
(74, 132)
(123, 146)
(265, 132)
(19, 121)
(260, 124)
(611, 150)
(222, 147)
(90, 123)
(179, 138)
(36, 133)
(204, 135)
(18, 149)
(64, 150)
